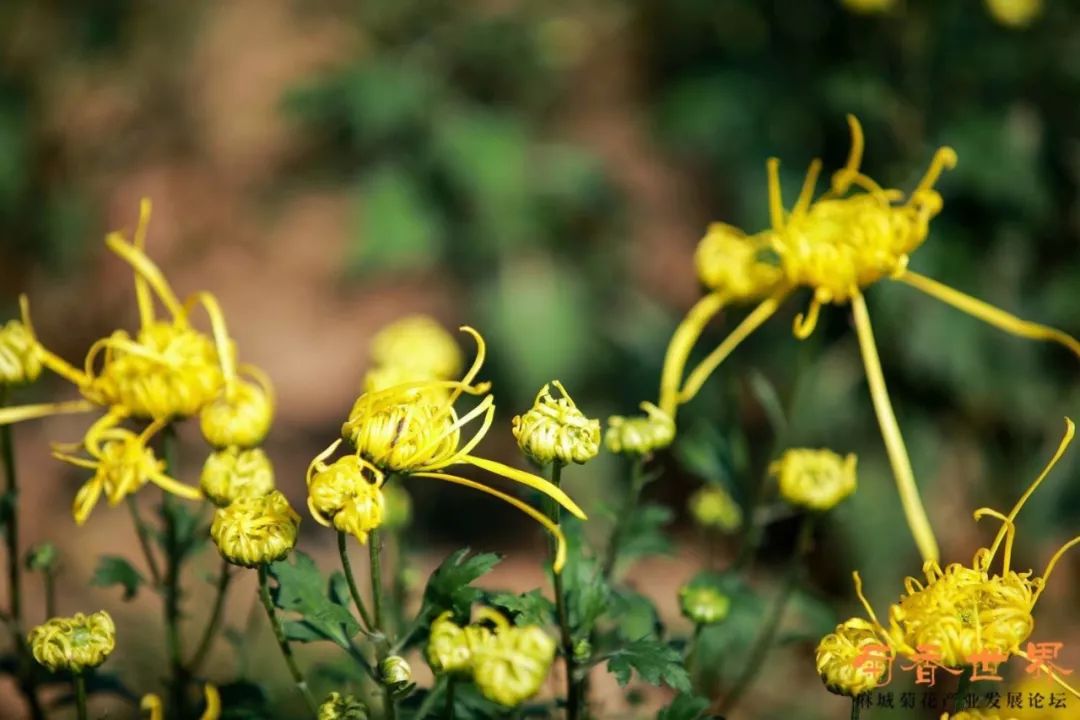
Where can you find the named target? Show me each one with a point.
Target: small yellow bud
(448, 648)
(255, 531)
(554, 430)
(233, 473)
(836, 659)
(640, 435)
(343, 495)
(342, 707)
(512, 667)
(712, 507)
(419, 346)
(395, 672)
(736, 265)
(814, 479)
(241, 417)
(20, 362)
(1014, 13)
(703, 605)
(73, 643)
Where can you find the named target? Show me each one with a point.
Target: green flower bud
(703, 605)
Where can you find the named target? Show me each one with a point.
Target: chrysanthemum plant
(419, 417)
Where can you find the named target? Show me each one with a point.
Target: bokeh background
(543, 170)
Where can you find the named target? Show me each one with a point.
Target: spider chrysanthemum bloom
(255, 531)
(242, 415)
(1015, 13)
(964, 610)
(814, 479)
(20, 361)
(640, 434)
(837, 659)
(511, 667)
(73, 643)
(234, 473)
(342, 707)
(152, 705)
(347, 495)
(414, 430)
(856, 234)
(554, 430)
(122, 462)
(712, 507)
(703, 605)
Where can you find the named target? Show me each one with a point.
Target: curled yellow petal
(528, 479)
(18, 413)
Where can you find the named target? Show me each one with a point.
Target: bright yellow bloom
(640, 435)
(961, 609)
(73, 643)
(712, 507)
(837, 659)
(241, 416)
(409, 430)
(419, 347)
(1015, 13)
(151, 704)
(814, 479)
(122, 463)
(449, 648)
(20, 362)
(233, 473)
(255, 531)
(346, 494)
(849, 238)
(342, 707)
(511, 667)
(703, 605)
(554, 430)
(869, 7)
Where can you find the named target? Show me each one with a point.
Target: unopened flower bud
(554, 430)
(395, 672)
(255, 531)
(234, 473)
(814, 479)
(837, 654)
(20, 360)
(712, 507)
(448, 648)
(703, 605)
(42, 558)
(582, 650)
(512, 667)
(640, 435)
(240, 417)
(346, 494)
(73, 643)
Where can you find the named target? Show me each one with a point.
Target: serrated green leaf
(301, 590)
(684, 707)
(587, 593)
(450, 586)
(113, 570)
(654, 662)
(530, 608)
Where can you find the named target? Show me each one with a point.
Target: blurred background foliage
(544, 169)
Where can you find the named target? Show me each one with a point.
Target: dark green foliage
(450, 586)
(655, 662)
(302, 590)
(112, 570)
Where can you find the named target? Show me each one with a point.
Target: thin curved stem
(346, 565)
(215, 620)
(573, 689)
(80, 696)
(283, 644)
(143, 533)
(375, 552)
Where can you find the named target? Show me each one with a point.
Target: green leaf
(301, 590)
(449, 587)
(112, 570)
(242, 700)
(587, 594)
(644, 534)
(397, 227)
(684, 707)
(530, 608)
(654, 662)
(635, 615)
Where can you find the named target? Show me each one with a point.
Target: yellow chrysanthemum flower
(640, 434)
(234, 473)
(963, 610)
(837, 659)
(409, 431)
(151, 704)
(853, 236)
(242, 415)
(255, 531)
(73, 643)
(342, 707)
(554, 430)
(20, 362)
(346, 494)
(418, 346)
(122, 462)
(814, 479)
(1015, 13)
(712, 507)
(449, 648)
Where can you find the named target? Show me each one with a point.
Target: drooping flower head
(814, 479)
(255, 531)
(234, 473)
(554, 430)
(242, 414)
(73, 643)
(346, 493)
(414, 430)
(838, 654)
(122, 462)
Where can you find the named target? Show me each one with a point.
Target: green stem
(375, 552)
(854, 709)
(346, 564)
(283, 643)
(80, 695)
(26, 670)
(772, 621)
(432, 697)
(214, 623)
(638, 480)
(177, 672)
(143, 533)
(449, 712)
(573, 694)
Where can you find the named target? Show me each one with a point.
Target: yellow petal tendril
(682, 342)
(142, 291)
(18, 413)
(987, 312)
(151, 703)
(843, 178)
(150, 272)
(804, 324)
(213, 703)
(529, 480)
(226, 356)
(890, 432)
(806, 195)
(776, 202)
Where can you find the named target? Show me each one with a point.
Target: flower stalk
(350, 579)
(283, 643)
(573, 684)
(375, 553)
(80, 696)
(214, 623)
